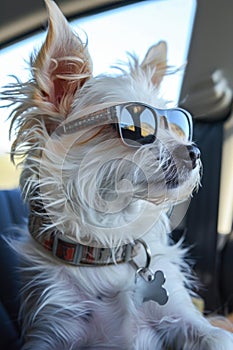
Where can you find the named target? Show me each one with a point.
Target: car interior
(203, 86)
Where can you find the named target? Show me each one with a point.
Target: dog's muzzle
(182, 160)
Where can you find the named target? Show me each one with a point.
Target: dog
(104, 160)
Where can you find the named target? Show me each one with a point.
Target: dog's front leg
(61, 332)
(56, 317)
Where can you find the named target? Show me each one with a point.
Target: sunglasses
(136, 123)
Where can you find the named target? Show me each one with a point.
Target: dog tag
(150, 287)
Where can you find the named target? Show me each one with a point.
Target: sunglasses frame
(111, 115)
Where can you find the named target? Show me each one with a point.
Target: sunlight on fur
(87, 272)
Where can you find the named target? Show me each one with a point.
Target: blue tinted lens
(180, 122)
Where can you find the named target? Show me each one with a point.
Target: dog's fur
(96, 189)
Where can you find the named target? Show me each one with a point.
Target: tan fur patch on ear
(62, 65)
(156, 60)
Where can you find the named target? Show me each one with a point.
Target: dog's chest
(110, 319)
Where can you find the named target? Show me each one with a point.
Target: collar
(74, 253)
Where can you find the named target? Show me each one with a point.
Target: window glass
(111, 34)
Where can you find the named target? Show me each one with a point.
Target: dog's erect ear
(156, 60)
(62, 65)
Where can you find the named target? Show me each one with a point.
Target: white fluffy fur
(95, 189)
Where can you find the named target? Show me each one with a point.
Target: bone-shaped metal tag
(150, 288)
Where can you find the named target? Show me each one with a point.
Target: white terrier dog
(102, 168)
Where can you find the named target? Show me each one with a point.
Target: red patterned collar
(78, 254)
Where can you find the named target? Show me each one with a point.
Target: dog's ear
(156, 61)
(62, 65)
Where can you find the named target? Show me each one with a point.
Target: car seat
(13, 219)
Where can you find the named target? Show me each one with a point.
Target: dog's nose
(194, 154)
